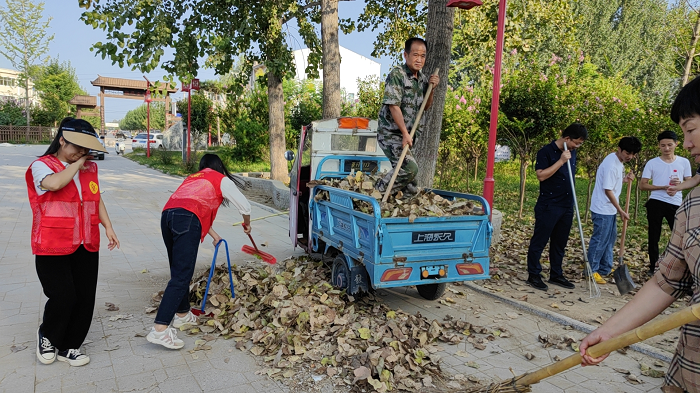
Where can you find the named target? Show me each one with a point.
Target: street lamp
(491, 154)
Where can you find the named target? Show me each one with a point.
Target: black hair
(575, 131)
(630, 144)
(56, 144)
(409, 44)
(687, 102)
(667, 135)
(77, 124)
(212, 161)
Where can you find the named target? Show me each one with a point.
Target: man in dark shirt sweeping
(555, 207)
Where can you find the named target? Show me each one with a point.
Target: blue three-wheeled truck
(369, 250)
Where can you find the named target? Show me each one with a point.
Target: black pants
(70, 283)
(181, 232)
(552, 224)
(656, 212)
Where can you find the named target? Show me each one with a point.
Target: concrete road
(120, 361)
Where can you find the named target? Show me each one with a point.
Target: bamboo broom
(522, 383)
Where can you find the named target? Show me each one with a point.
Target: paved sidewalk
(134, 196)
(121, 362)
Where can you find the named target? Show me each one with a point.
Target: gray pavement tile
(211, 379)
(143, 382)
(182, 383)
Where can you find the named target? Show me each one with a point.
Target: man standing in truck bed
(404, 91)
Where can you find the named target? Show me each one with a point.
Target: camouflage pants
(392, 147)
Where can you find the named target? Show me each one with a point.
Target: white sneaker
(73, 357)
(189, 319)
(45, 351)
(167, 338)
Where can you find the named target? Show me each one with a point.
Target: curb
(564, 320)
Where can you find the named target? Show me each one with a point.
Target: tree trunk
(278, 165)
(476, 167)
(331, 59)
(439, 37)
(691, 52)
(523, 172)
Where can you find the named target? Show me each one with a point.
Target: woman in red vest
(64, 195)
(185, 221)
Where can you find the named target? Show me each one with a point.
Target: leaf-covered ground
(296, 322)
(509, 273)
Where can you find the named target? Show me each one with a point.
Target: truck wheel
(431, 291)
(340, 273)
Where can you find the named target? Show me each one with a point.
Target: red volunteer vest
(200, 194)
(61, 220)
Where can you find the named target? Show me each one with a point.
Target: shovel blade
(623, 279)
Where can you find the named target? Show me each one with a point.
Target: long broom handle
(651, 329)
(405, 148)
(624, 225)
(578, 216)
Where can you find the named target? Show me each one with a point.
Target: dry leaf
(111, 307)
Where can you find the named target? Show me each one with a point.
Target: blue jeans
(600, 248)
(181, 232)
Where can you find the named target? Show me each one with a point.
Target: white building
(352, 67)
(10, 87)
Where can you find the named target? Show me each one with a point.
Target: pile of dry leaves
(291, 316)
(423, 204)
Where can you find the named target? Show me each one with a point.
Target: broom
(257, 253)
(522, 383)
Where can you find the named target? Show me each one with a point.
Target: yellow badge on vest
(94, 187)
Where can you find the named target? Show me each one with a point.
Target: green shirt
(405, 90)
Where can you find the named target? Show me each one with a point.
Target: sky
(73, 39)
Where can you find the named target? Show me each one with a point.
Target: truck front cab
(331, 148)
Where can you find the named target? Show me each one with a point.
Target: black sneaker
(73, 357)
(562, 282)
(537, 283)
(45, 351)
(411, 189)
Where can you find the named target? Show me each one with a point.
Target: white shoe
(45, 351)
(189, 319)
(167, 338)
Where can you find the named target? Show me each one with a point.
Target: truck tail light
(465, 269)
(398, 274)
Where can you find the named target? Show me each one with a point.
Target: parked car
(139, 141)
(98, 154)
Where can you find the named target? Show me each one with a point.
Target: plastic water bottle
(674, 179)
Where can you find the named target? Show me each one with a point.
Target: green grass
(170, 162)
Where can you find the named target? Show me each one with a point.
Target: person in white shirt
(660, 173)
(605, 205)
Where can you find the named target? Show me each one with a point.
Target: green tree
(12, 113)
(137, 119)
(219, 31)
(56, 84)
(632, 38)
(529, 113)
(23, 39)
(369, 95)
(201, 110)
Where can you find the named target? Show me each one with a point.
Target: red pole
(189, 121)
(148, 127)
(493, 126)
